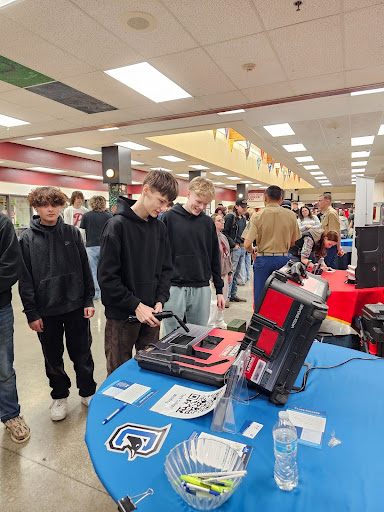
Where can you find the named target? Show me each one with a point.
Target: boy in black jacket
(135, 268)
(56, 289)
(195, 257)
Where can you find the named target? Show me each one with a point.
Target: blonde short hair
(203, 188)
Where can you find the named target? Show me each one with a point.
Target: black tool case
(372, 322)
(286, 321)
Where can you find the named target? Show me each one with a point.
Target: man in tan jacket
(330, 222)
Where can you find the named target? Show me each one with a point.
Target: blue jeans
(9, 402)
(331, 258)
(93, 257)
(248, 264)
(262, 269)
(237, 262)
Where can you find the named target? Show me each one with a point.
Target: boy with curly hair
(56, 288)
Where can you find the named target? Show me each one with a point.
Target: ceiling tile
(184, 105)
(276, 13)
(364, 76)
(319, 50)
(27, 99)
(231, 19)
(349, 5)
(256, 49)
(25, 114)
(268, 92)
(318, 83)
(224, 99)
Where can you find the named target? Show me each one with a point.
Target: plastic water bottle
(285, 448)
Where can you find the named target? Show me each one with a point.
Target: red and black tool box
(203, 354)
(286, 321)
(372, 322)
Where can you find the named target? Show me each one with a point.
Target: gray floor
(52, 471)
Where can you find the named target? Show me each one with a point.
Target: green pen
(194, 480)
(218, 481)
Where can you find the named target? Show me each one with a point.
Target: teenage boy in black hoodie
(135, 268)
(56, 288)
(195, 257)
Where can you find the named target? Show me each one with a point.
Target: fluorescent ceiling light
(362, 141)
(256, 184)
(46, 169)
(362, 169)
(233, 178)
(316, 173)
(135, 162)
(369, 91)
(92, 177)
(231, 186)
(171, 158)
(136, 182)
(11, 121)
(132, 145)
(218, 183)
(309, 167)
(362, 175)
(160, 169)
(292, 148)
(245, 181)
(185, 175)
(35, 138)
(279, 130)
(356, 164)
(148, 81)
(108, 129)
(326, 184)
(199, 167)
(231, 112)
(360, 154)
(263, 187)
(4, 3)
(86, 151)
(304, 158)
(381, 130)
(218, 173)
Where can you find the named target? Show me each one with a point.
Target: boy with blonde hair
(195, 257)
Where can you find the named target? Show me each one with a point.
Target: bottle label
(285, 447)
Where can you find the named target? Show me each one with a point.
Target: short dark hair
(274, 192)
(163, 182)
(44, 196)
(75, 195)
(327, 195)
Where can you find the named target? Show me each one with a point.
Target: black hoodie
(135, 262)
(195, 249)
(10, 259)
(56, 278)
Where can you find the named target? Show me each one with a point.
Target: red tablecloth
(345, 300)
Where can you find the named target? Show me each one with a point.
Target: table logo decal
(137, 440)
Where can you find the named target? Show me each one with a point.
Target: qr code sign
(197, 403)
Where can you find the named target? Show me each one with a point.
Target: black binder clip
(126, 504)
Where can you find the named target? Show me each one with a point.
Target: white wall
(19, 189)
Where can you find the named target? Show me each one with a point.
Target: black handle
(160, 316)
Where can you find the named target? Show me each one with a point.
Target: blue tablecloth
(346, 244)
(348, 477)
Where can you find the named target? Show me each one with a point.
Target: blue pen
(114, 413)
(190, 487)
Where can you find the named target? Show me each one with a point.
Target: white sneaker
(58, 409)
(221, 326)
(86, 399)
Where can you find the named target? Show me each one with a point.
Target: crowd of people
(139, 265)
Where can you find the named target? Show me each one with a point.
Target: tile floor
(52, 472)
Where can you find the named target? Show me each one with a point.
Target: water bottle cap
(283, 415)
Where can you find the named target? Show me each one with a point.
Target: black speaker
(116, 165)
(370, 256)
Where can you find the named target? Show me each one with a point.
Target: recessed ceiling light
(362, 169)
(245, 181)
(46, 169)
(199, 167)
(256, 184)
(86, 151)
(304, 158)
(134, 162)
(356, 164)
(218, 173)
(316, 173)
(160, 169)
(320, 177)
(326, 184)
(279, 130)
(185, 175)
(171, 158)
(369, 91)
(308, 167)
(218, 183)
(136, 183)
(263, 188)
(233, 178)
(362, 141)
(381, 130)
(35, 138)
(292, 148)
(360, 154)
(148, 81)
(361, 175)
(231, 186)
(132, 145)
(108, 129)
(11, 121)
(92, 177)
(231, 112)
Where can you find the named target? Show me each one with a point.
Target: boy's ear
(145, 188)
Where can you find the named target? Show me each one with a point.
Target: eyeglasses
(220, 220)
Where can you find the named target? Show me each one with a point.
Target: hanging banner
(294, 176)
(226, 132)
(214, 134)
(247, 148)
(277, 172)
(289, 173)
(269, 168)
(285, 175)
(269, 160)
(298, 179)
(273, 161)
(258, 163)
(231, 141)
(262, 154)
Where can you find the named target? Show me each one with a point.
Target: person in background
(295, 207)
(330, 222)
(248, 255)
(10, 265)
(56, 288)
(93, 223)
(314, 240)
(135, 267)
(351, 220)
(169, 206)
(230, 209)
(195, 257)
(275, 230)
(74, 213)
(343, 223)
(307, 220)
(286, 203)
(216, 317)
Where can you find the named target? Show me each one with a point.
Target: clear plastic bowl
(202, 456)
